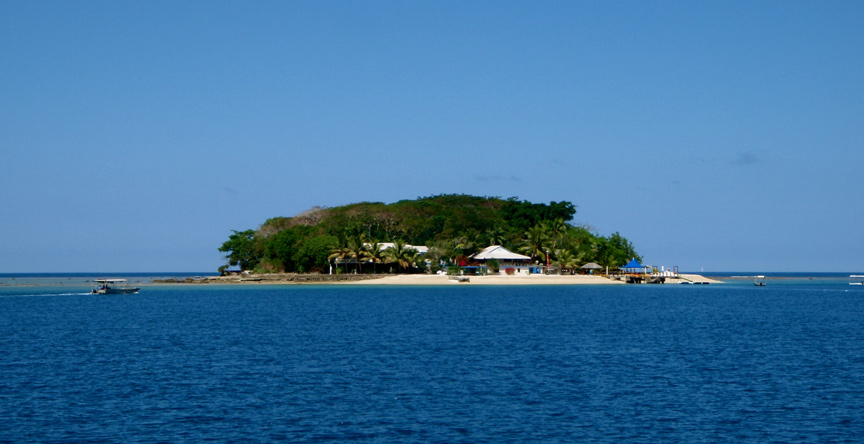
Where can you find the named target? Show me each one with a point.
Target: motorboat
(113, 286)
(856, 279)
(759, 281)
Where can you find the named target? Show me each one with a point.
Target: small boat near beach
(759, 281)
(856, 279)
(113, 286)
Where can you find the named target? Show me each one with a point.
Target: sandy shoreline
(363, 279)
(512, 280)
(426, 280)
(416, 279)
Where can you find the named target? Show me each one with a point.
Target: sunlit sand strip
(692, 278)
(415, 279)
(487, 280)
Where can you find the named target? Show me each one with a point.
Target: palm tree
(556, 229)
(466, 244)
(402, 254)
(418, 260)
(358, 249)
(535, 242)
(472, 235)
(565, 259)
(453, 250)
(340, 254)
(375, 254)
(496, 235)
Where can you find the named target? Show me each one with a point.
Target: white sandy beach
(415, 279)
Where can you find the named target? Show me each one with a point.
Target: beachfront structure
(518, 263)
(590, 267)
(634, 267)
(664, 272)
(636, 273)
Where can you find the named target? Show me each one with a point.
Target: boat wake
(19, 295)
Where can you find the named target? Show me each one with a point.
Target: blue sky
(724, 136)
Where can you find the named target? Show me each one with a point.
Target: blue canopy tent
(634, 267)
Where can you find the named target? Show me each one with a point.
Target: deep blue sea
(464, 364)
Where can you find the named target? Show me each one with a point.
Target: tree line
(452, 227)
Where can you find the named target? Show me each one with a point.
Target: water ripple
(312, 364)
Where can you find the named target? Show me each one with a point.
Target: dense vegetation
(452, 226)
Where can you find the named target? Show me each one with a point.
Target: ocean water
(465, 364)
(83, 280)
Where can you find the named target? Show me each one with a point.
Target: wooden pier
(643, 279)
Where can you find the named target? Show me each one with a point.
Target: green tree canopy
(242, 249)
(453, 226)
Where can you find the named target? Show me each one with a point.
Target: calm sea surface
(646, 364)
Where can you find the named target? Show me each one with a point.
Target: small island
(453, 234)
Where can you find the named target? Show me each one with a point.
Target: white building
(507, 259)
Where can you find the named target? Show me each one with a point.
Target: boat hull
(116, 291)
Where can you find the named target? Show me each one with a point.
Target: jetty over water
(636, 273)
(644, 279)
